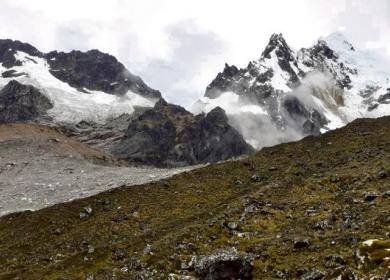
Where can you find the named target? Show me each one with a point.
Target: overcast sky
(178, 46)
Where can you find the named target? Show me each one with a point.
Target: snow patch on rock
(70, 104)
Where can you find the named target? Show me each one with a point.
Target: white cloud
(179, 46)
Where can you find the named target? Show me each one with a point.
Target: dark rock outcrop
(225, 265)
(322, 58)
(309, 119)
(168, 135)
(241, 81)
(20, 102)
(285, 56)
(92, 70)
(385, 99)
(95, 70)
(8, 49)
(12, 74)
(298, 91)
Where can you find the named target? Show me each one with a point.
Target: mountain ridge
(332, 79)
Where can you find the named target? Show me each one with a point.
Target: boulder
(225, 265)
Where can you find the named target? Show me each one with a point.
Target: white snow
(278, 81)
(372, 70)
(71, 105)
(366, 68)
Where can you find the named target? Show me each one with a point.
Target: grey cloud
(194, 47)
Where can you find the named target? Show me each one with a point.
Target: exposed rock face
(285, 56)
(92, 70)
(102, 136)
(37, 84)
(310, 119)
(8, 49)
(168, 135)
(19, 102)
(258, 84)
(95, 70)
(302, 92)
(322, 58)
(256, 79)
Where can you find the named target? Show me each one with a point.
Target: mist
(268, 124)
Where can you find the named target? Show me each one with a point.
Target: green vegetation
(295, 207)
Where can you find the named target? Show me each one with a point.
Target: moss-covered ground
(313, 190)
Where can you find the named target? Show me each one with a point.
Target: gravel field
(36, 172)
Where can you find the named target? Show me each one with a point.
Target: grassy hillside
(296, 209)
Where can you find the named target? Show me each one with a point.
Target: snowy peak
(95, 70)
(277, 44)
(82, 86)
(338, 42)
(298, 93)
(8, 49)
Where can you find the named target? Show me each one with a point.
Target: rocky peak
(171, 111)
(278, 44)
(321, 49)
(278, 48)
(91, 70)
(223, 81)
(217, 116)
(20, 102)
(160, 103)
(8, 49)
(230, 71)
(326, 56)
(338, 42)
(168, 135)
(95, 70)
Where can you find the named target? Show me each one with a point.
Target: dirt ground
(40, 167)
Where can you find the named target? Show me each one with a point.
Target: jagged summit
(96, 70)
(168, 136)
(82, 86)
(333, 81)
(93, 97)
(338, 41)
(8, 49)
(278, 44)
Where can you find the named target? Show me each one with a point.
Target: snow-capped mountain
(287, 94)
(81, 86)
(92, 97)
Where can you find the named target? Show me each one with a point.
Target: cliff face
(92, 97)
(299, 93)
(19, 102)
(168, 135)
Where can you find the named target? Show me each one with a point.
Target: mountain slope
(93, 98)
(290, 94)
(82, 86)
(170, 136)
(40, 166)
(304, 210)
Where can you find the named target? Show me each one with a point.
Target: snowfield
(71, 105)
(368, 71)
